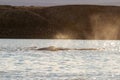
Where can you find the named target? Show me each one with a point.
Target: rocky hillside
(60, 22)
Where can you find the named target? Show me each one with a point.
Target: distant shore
(85, 22)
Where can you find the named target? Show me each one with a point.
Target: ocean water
(20, 61)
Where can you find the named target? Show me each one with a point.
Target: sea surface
(19, 60)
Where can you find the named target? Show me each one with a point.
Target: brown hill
(21, 24)
(60, 22)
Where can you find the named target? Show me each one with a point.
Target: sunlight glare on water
(20, 61)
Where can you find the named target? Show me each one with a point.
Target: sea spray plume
(86, 22)
(105, 25)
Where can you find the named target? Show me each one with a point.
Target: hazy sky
(56, 2)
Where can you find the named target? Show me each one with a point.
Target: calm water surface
(18, 60)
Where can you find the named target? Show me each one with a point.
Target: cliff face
(60, 22)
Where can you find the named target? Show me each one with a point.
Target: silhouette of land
(60, 22)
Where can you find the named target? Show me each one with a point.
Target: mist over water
(105, 26)
(18, 60)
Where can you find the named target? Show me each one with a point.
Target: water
(18, 60)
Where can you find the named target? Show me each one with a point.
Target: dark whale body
(53, 48)
(61, 22)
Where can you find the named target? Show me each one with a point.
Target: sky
(56, 2)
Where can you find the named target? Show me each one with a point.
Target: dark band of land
(60, 22)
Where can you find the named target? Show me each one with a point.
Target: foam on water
(19, 62)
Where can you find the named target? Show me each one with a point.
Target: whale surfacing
(53, 48)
